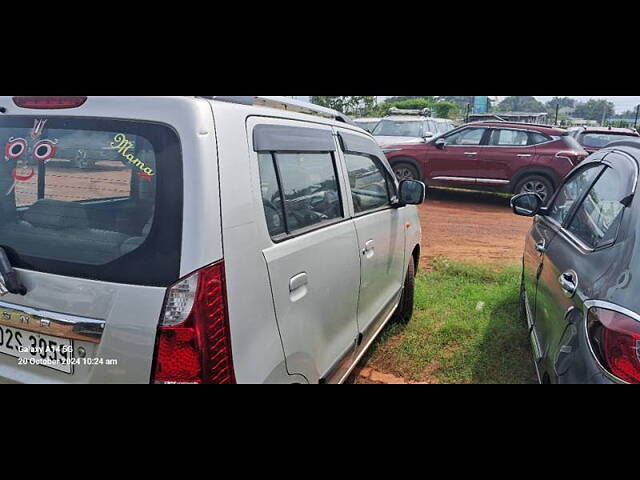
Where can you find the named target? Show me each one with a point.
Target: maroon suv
(500, 156)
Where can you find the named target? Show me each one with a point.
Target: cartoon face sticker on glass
(17, 149)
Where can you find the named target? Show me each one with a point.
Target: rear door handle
(524, 154)
(569, 283)
(471, 153)
(369, 249)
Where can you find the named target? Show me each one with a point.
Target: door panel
(381, 240)
(506, 153)
(315, 280)
(381, 237)
(457, 161)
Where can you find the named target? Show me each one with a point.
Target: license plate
(36, 349)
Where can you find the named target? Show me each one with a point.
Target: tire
(536, 184)
(404, 311)
(405, 171)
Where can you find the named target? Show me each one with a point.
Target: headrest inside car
(56, 214)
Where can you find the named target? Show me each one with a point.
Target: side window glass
(468, 136)
(271, 197)
(368, 181)
(537, 138)
(515, 138)
(571, 192)
(310, 188)
(597, 219)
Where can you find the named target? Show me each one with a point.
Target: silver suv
(410, 126)
(226, 239)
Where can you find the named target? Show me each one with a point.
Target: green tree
(446, 110)
(595, 110)
(521, 104)
(347, 104)
(564, 102)
(461, 101)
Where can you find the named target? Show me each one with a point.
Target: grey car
(581, 272)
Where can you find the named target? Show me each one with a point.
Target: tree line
(455, 107)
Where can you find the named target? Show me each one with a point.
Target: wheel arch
(548, 173)
(410, 160)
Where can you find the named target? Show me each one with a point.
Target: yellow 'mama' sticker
(122, 144)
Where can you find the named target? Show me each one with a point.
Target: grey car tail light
(614, 338)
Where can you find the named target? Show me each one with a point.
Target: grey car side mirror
(527, 204)
(412, 192)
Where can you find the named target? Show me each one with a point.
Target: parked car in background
(581, 272)
(495, 156)
(367, 123)
(410, 127)
(593, 139)
(244, 242)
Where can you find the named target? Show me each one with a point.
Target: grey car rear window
(81, 197)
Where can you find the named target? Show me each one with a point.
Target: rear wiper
(9, 282)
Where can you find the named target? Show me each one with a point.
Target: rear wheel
(536, 184)
(405, 171)
(404, 311)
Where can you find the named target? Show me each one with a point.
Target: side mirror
(527, 204)
(412, 192)
(440, 143)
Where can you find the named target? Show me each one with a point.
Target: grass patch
(465, 329)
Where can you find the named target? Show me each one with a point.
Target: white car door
(380, 228)
(312, 259)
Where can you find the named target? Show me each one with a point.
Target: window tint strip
(281, 138)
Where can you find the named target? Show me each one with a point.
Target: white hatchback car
(230, 239)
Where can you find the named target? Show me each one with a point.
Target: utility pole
(604, 115)
(557, 112)
(467, 116)
(635, 124)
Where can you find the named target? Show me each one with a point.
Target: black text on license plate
(37, 349)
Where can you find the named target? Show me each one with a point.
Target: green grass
(451, 339)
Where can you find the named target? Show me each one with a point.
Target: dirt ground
(471, 226)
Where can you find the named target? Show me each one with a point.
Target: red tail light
(49, 103)
(194, 344)
(615, 339)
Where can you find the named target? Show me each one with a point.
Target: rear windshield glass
(393, 128)
(83, 198)
(600, 140)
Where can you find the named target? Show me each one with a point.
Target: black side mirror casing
(411, 192)
(528, 204)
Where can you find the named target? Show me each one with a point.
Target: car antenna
(9, 282)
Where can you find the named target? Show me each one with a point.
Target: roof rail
(425, 112)
(285, 103)
(521, 123)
